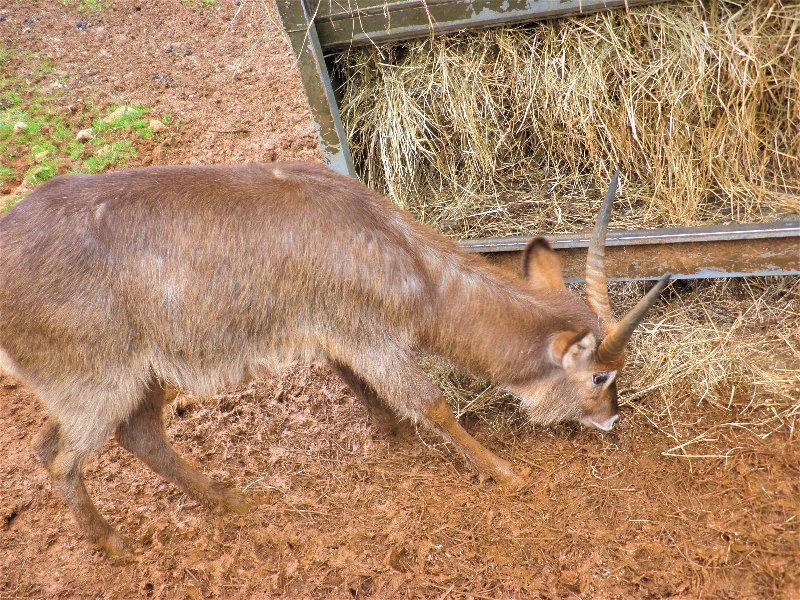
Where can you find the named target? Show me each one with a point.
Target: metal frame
(316, 79)
(346, 23)
(686, 252)
(315, 27)
(318, 26)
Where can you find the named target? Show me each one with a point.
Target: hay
(719, 359)
(515, 130)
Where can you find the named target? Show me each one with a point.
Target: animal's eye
(600, 378)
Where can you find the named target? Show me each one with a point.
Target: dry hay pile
(507, 130)
(514, 130)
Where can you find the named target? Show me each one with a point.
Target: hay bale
(515, 130)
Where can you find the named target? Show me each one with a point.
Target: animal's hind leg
(142, 434)
(383, 417)
(64, 463)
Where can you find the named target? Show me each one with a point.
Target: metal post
(302, 32)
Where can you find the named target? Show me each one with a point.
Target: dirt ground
(347, 511)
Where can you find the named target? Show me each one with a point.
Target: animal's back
(200, 275)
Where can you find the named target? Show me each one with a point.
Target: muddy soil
(346, 511)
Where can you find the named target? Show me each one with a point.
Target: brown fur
(116, 287)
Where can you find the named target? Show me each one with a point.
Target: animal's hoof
(507, 477)
(236, 502)
(114, 545)
(511, 482)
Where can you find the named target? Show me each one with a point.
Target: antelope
(118, 289)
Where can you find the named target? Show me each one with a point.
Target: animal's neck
(489, 323)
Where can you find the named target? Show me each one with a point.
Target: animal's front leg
(397, 380)
(440, 416)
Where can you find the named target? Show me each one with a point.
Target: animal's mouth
(606, 425)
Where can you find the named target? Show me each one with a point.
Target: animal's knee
(142, 429)
(438, 412)
(138, 437)
(47, 442)
(66, 464)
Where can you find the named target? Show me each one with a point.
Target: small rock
(117, 113)
(82, 25)
(54, 85)
(169, 49)
(187, 51)
(163, 78)
(40, 156)
(20, 126)
(84, 135)
(156, 126)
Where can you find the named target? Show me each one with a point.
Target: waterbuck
(116, 289)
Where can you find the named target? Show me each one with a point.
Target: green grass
(201, 3)
(6, 54)
(6, 173)
(87, 5)
(41, 172)
(45, 145)
(109, 155)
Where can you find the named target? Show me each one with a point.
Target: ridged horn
(596, 287)
(613, 345)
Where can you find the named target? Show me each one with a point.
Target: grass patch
(109, 156)
(41, 172)
(198, 4)
(6, 174)
(87, 5)
(39, 141)
(6, 54)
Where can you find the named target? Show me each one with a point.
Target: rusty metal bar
(347, 23)
(325, 115)
(687, 253)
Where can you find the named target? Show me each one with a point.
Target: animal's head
(581, 363)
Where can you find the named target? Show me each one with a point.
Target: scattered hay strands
(513, 130)
(728, 364)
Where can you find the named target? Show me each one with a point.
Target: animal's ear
(570, 349)
(541, 267)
